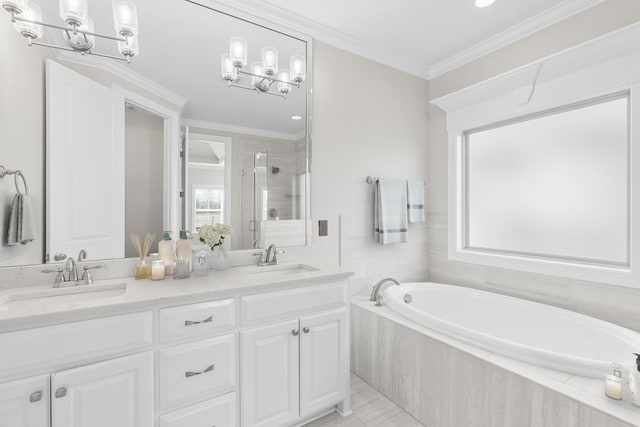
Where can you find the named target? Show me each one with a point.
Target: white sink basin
(282, 270)
(40, 296)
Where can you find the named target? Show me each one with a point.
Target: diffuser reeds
(143, 269)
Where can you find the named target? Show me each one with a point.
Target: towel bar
(371, 180)
(18, 173)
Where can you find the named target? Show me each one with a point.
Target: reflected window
(553, 184)
(208, 205)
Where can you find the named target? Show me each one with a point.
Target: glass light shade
(298, 68)
(131, 48)
(283, 75)
(74, 12)
(270, 60)
(27, 29)
(238, 48)
(80, 41)
(125, 17)
(18, 6)
(228, 71)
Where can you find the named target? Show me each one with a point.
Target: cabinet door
(323, 361)
(25, 403)
(269, 375)
(118, 392)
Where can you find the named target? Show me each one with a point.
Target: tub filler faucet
(375, 292)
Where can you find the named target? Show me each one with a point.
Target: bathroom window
(208, 205)
(551, 185)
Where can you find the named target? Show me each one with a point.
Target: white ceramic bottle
(634, 382)
(167, 253)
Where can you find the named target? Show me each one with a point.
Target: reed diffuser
(143, 269)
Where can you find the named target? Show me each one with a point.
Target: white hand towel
(14, 221)
(22, 228)
(27, 224)
(415, 201)
(390, 212)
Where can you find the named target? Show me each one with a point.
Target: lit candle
(157, 270)
(613, 384)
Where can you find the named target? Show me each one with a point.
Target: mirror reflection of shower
(255, 196)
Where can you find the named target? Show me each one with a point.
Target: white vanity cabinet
(293, 369)
(204, 367)
(117, 392)
(74, 390)
(25, 403)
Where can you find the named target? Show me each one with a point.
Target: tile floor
(370, 408)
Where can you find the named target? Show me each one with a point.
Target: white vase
(220, 259)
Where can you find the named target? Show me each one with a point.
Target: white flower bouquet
(214, 235)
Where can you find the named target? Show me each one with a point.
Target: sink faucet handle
(261, 257)
(86, 276)
(59, 276)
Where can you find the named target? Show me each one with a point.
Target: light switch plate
(323, 228)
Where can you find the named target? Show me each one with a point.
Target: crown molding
(265, 13)
(530, 26)
(123, 72)
(243, 130)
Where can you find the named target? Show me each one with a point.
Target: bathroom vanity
(251, 346)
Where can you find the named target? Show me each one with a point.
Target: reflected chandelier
(79, 31)
(263, 73)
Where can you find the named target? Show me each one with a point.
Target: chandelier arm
(255, 90)
(67, 29)
(264, 77)
(30, 42)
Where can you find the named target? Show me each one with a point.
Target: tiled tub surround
(446, 383)
(180, 352)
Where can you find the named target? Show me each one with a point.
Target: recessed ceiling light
(484, 3)
(296, 117)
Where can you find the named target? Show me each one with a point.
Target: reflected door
(85, 173)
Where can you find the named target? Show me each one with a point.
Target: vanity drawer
(197, 320)
(206, 367)
(219, 412)
(52, 346)
(293, 302)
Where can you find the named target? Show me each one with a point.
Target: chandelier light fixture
(264, 74)
(79, 30)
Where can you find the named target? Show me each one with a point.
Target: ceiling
(422, 37)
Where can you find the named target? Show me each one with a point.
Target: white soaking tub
(536, 333)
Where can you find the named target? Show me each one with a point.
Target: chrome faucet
(70, 268)
(375, 291)
(271, 257)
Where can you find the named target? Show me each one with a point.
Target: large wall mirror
(180, 148)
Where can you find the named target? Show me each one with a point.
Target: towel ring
(24, 182)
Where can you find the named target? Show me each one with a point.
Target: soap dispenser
(634, 382)
(183, 248)
(167, 253)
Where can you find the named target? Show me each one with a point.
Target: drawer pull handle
(61, 392)
(36, 396)
(197, 322)
(192, 374)
(295, 332)
(305, 330)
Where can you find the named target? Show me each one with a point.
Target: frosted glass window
(553, 185)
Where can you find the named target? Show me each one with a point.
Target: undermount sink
(49, 295)
(283, 270)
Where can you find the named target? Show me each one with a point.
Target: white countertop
(145, 294)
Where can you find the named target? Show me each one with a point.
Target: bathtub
(535, 333)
